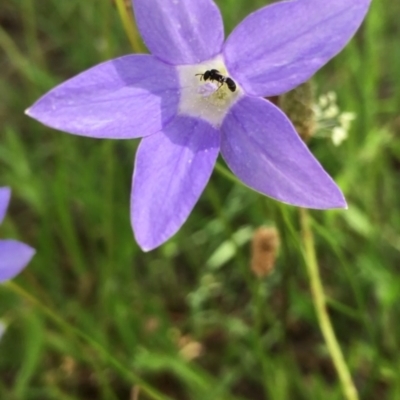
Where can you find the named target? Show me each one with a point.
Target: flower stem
(129, 26)
(319, 301)
(126, 372)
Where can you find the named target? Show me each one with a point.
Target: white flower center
(209, 99)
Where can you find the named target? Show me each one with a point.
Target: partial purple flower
(14, 256)
(196, 96)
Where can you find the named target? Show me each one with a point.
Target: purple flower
(187, 114)
(14, 256)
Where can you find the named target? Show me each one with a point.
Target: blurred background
(194, 319)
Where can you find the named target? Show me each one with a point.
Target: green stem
(131, 376)
(319, 301)
(129, 26)
(31, 33)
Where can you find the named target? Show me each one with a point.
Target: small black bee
(214, 75)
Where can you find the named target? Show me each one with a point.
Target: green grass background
(116, 315)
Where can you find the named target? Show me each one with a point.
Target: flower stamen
(209, 97)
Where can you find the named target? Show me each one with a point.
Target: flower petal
(5, 195)
(129, 97)
(14, 257)
(172, 169)
(262, 148)
(180, 31)
(282, 45)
